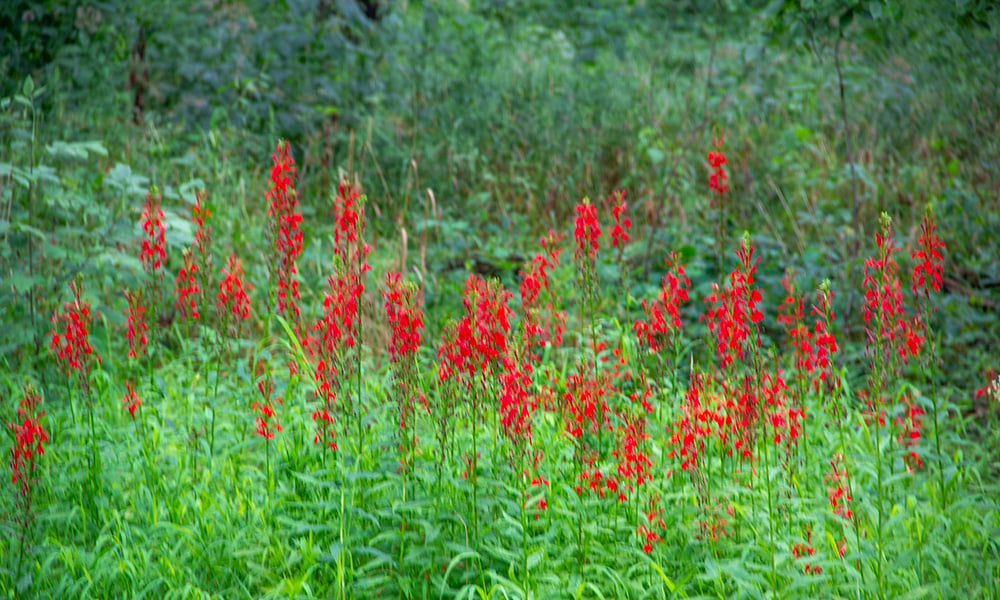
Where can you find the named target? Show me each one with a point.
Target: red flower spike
(154, 245)
(232, 299)
(283, 210)
(886, 323)
(929, 262)
(30, 438)
(136, 327)
(71, 336)
(586, 233)
(663, 318)
(266, 419)
(619, 233)
(131, 400)
(839, 491)
(187, 288)
(718, 179)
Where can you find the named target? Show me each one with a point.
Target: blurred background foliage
(475, 126)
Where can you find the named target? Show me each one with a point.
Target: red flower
(634, 466)
(801, 550)
(619, 233)
(928, 258)
(232, 298)
(663, 318)
(267, 419)
(71, 336)
(586, 232)
(131, 400)
(839, 490)
(199, 212)
(190, 287)
(405, 317)
(718, 179)
(825, 345)
(154, 245)
(406, 320)
(654, 520)
(886, 324)
(543, 324)
(482, 334)
(186, 288)
(283, 209)
(30, 438)
(791, 315)
(136, 326)
(734, 313)
(911, 424)
(516, 402)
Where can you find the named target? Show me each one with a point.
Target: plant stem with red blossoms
(886, 330)
(516, 406)
(30, 438)
(285, 236)
(471, 355)
(791, 315)
(267, 421)
(405, 318)
(233, 307)
(71, 345)
(927, 276)
(619, 239)
(586, 234)
(661, 328)
(351, 252)
(154, 246)
(718, 185)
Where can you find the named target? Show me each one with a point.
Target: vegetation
(512, 299)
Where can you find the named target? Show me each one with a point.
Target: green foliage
(474, 128)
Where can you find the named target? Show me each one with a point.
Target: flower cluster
(824, 342)
(929, 263)
(663, 319)
(187, 288)
(718, 179)
(135, 323)
(154, 244)
(543, 324)
(71, 337)
(482, 335)
(190, 287)
(586, 233)
(516, 401)
(619, 233)
(405, 318)
(634, 465)
(30, 438)
(232, 299)
(266, 419)
(910, 424)
(286, 233)
(791, 316)
(888, 329)
(805, 550)
(839, 490)
(131, 400)
(338, 330)
(654, 521)
(733, 312)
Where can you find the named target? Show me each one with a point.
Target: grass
(188, 500)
